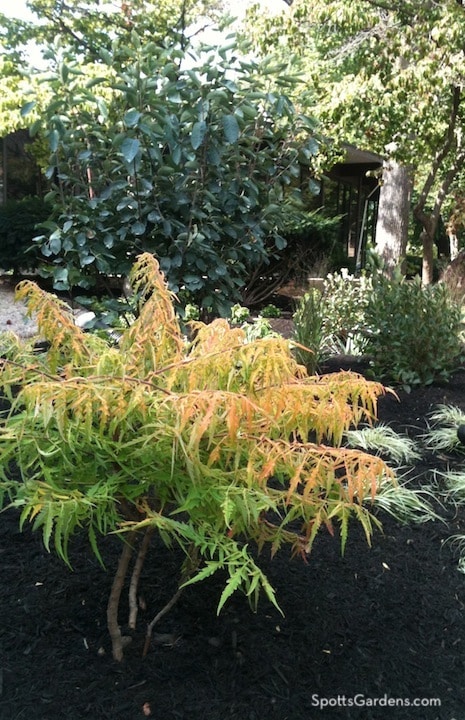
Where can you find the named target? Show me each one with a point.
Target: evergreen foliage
(193, 155)
(414, 332)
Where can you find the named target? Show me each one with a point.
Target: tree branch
(113, 601)
(133, 608)
(447, 182)
(441, 154)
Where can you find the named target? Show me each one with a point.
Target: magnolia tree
(87, 26)
(191, 155)
(194, 156)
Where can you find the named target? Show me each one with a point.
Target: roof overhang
(359, 169)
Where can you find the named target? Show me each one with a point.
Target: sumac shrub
(203, 443)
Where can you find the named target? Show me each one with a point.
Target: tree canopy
(387, 77)
(85, 28)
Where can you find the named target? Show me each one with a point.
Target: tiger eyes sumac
(159, 436)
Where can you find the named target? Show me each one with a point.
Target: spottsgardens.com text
(361, 700)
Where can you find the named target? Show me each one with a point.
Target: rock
(454, 276)
(461, 434)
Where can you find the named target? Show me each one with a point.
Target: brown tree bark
(135, 577)
(114, 598)
(430, 220)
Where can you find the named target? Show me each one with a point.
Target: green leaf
(314, 186)
(54, 242)
(53, 139)
(35, 127)
(94, 546)
(129, 149)
(27, 107)
(166, 171)
(132, 117)
(209, 569)
(232, 584)
(95, 81)
(176, 154)
(280, 242)
(198, 134)
(103, 109)
(135, 39)
(213, 156)
(60, 275)
(231, 128)
(138, 228)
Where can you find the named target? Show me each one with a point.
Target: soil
(361, 636)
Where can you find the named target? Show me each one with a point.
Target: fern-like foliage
(217, 444)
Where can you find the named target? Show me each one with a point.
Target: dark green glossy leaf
(129, 149)
(198, 134)
(231, 128)
(132, 118)
(27, 107)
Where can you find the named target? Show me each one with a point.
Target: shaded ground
(378, 625)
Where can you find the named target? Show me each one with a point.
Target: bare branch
(135, 577)
(113, 601)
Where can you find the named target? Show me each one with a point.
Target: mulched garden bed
(377, 626)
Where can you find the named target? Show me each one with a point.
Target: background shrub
(18, 225)
(165, 153)
(309, 330)
(345, 299)
(413, 331)
(332, 321)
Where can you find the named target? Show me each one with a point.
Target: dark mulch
(380, 625)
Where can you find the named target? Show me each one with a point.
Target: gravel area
(13, 314)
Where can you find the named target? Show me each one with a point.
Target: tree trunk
(454, 244)
(393, 215)
(427, 241)
(113, 600)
